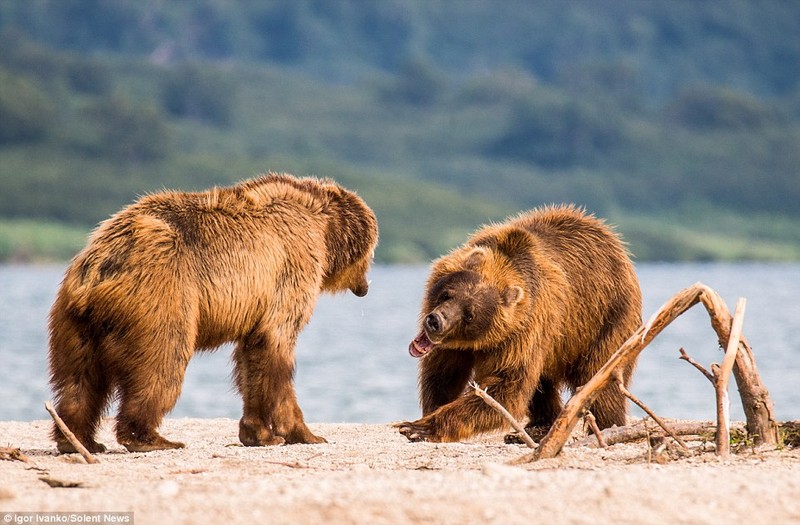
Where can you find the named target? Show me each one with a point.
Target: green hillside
(679, 121)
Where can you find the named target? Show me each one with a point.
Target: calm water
(353, 364)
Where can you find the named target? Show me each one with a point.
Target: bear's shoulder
(268, 192)
(272, 188)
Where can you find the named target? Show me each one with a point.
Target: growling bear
(525, 308)
(179, 272)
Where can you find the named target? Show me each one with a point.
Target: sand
(372, 474)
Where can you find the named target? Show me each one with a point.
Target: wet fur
(179, 272)
(581, 300)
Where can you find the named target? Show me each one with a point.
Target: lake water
(353, 364)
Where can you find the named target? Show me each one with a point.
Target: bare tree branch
(658, 420)
(590, 419)
(697, 365)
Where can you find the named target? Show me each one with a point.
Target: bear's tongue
(420, 346)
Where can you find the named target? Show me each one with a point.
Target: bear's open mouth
(421, 345)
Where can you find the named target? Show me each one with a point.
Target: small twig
(69, 435)
(295, 464)
(697, 365)
(595, 429)
(649, 412)
(13, 454)
(489, 400)
(61, 484)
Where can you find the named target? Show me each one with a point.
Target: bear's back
(567, 227)
(592, 256)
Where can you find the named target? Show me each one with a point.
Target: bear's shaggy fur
(525, 308)
(179, 272)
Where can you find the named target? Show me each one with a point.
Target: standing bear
(176, 273)
(524, 308)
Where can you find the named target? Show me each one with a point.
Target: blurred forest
(678, 121)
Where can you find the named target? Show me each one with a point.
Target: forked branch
(757, 403)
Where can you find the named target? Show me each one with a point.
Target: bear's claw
(415, 431)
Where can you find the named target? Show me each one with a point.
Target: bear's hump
(310, 192)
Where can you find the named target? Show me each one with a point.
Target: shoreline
(369, 473)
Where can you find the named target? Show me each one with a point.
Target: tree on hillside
(26, 113)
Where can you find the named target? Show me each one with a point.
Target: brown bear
(524, 308)
(180, 272)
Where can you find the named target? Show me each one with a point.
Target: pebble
(168, 488)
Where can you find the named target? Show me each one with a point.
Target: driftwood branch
(629, 433)
(721, 382)
(758, 406)
(492, 402)
(658, 420)
(69, 435)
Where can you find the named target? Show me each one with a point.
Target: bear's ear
(475, 258)
(512, 295)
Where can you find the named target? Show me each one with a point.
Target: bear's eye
(468, 316)
(445, 296)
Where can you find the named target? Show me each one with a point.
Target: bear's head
(351, 238)
(470, 302)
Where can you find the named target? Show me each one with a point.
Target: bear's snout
(441, 321)
(434, 323)
(361, 288)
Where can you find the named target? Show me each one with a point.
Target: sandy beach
(369, 473)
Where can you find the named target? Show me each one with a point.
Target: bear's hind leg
(545, 404)
(611, 406)
(81, 387)
(148, 392)
(622, 318)
(543, 408)
(80, 405)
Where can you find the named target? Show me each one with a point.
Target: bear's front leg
(453, 422)
(255, 426)
(469, 414)
(420, 430)
(443, 376)
(289, 423)
(264, 372)
(287, 418)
